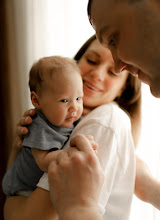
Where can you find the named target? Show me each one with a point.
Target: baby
(57, 94)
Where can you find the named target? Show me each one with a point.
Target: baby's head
(57, 89)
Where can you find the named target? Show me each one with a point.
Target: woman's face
(100, 84)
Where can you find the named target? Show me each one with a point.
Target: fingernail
(26, 120)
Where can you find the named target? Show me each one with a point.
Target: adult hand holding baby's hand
(76, 177)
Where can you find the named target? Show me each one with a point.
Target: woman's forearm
(147, 188)
(36, 206)
(154, 194)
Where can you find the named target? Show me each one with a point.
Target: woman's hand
(21, 130)
(75, 179)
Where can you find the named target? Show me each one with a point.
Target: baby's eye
(79, 98)
(64, 100)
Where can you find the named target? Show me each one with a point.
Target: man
(131, 30)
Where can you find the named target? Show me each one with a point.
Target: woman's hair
(130, 99)
(44, 68)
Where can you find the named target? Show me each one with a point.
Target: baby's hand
(92, 142)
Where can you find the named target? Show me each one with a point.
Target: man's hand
(76, 178)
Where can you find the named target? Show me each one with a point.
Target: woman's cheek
(109, 84)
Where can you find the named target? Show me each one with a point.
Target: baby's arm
(44, 157)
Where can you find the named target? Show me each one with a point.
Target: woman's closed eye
(90, 61)
(112, 73)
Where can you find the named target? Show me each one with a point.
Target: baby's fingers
(92, 142)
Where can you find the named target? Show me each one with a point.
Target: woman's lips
(92, 87)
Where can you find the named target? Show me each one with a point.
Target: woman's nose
(98, 73)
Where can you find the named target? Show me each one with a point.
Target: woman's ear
(35, 100)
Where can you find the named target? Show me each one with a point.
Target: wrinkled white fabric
(111, 129)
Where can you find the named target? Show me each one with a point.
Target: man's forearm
(80, 213)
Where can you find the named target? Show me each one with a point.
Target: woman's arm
(20, 131)
(147, 188)
(36, 206)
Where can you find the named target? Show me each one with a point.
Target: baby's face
(62, 99)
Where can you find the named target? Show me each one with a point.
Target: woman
(101, 85)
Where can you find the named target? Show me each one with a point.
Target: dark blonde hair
(130, 99)
(45, 67)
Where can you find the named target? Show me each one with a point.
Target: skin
(146, 186)
(104, 64)
(132, 37)
(100, 84)
(62, 98)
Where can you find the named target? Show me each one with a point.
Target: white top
(111, 129)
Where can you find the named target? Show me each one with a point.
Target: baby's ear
(35, 100)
